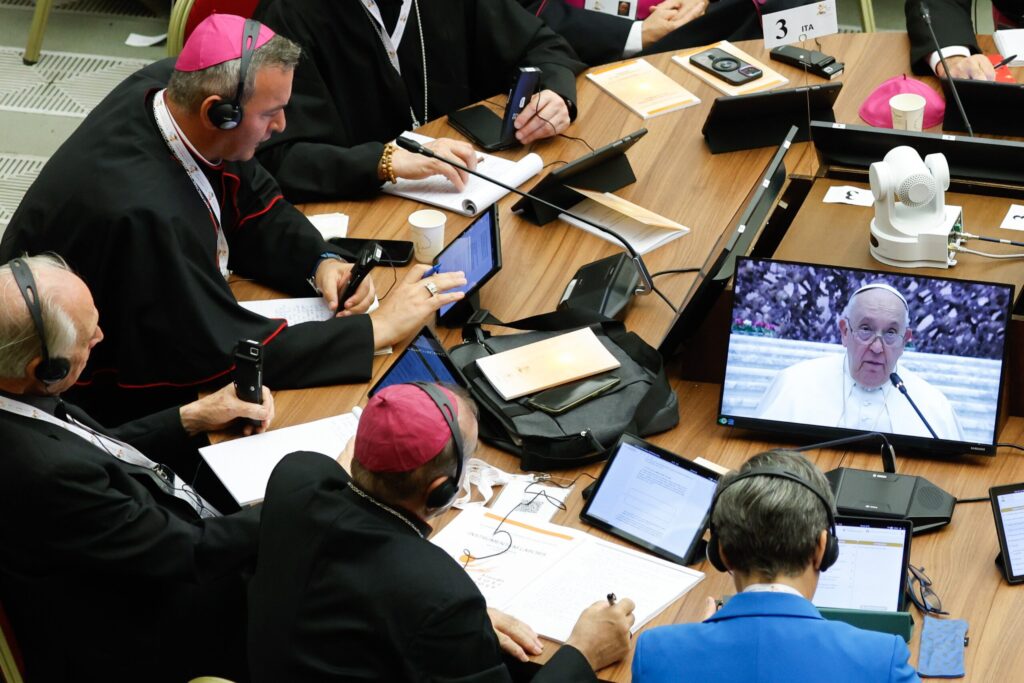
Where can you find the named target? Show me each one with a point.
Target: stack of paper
(643, 229)
(1011, 42)
(479, 194)
(642, 88)
(549, 574)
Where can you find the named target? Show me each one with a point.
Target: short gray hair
(190, 88)
(769, 526)
(19, 341)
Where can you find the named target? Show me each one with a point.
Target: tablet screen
(475, 252)
(652, 498)
(871, 571)
(1009, 507)
(424, 360)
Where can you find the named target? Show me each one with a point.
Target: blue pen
(431, 271)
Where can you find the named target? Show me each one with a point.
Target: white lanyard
(115, 448)
(394, 39)
(176, 142)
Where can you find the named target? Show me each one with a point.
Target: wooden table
(680, 179)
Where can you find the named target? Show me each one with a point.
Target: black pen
(612, 599)
(1005, 62)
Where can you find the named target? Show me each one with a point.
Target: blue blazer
(766, 637)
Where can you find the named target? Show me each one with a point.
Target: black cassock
(347, 98)
(117, 205)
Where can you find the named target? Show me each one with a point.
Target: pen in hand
(612, 599)
(1006, 61)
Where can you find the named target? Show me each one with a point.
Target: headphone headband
(49, 370)
(445, 493)
(227, 115)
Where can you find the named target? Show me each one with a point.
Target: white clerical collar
(188, 143)
(772, 588)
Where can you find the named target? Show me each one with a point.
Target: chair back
(186, 15)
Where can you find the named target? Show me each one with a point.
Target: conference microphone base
(861, 493)
(606, 286)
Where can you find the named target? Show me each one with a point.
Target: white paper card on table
(244, 465)
(526, 497)
(800, 23)
(139, 40)
(642, 88)
(547, 363)
(712, 465)
(551, 573)
(769, 79)
(1011, 42)
(330, 225)
(642, 228)
(1014, 218)
(303, 309)
(847, 194)
(479, 194)
(613, 7)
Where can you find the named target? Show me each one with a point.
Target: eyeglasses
(919, 590)
(866, 335)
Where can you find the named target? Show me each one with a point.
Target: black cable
(675, 270)
(971, 500)
(570, 137)
(665, 299)
(996, 240)
(1010, 445)
(394, 273)
(557, 161)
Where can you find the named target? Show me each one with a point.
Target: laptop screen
(424, 360)
(871, 573)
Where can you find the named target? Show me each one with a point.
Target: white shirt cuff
(635, 40)
(947, 52)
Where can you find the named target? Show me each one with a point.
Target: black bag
(641, 403)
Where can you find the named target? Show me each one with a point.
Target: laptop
(991, 107)
(871, 572)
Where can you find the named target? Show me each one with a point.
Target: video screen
(815, 348)
(424, 360)
(472, 252)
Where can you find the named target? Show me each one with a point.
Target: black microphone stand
(927, 16)
(646, 284)
(888, 452)
(898, 383)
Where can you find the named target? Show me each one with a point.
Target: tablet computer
(476, 251)
(991, 107)
(423, 360)
(652, 498)
(871, 572)
(1008, 511)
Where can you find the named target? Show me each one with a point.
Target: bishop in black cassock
(348, 99)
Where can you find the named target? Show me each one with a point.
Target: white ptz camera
(912, 226)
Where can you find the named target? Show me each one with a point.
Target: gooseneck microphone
(888, 452)
(927, 16)
(646, 285)
(898, 383)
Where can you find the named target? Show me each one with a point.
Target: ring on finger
(431, 287)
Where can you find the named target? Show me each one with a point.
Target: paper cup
(427, 228)
(907, 111)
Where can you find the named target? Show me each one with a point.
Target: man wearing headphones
(112, 568)
(773, 529)
(348, 588)
(156, 197)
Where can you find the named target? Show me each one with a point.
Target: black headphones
(831, 545)
(444, 494)
(227, 115)
(50, 370)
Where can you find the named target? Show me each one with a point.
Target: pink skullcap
(875, 109)
(401, 428)
(217, 39)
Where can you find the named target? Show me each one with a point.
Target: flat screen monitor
(991, 107)
(812, 351)
(423, 360)
(476, 251)
(653, 498)
(735, 241)
(871, 572)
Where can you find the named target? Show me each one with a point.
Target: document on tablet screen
(869, 571)
(1011, 509)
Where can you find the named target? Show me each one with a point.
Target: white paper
(847, 194)
(643, 238)
(330, 225)
(552, 573)
(244, 465)
(479, 194)
(1011, 42)
(303, 309)
(139, 40)
(800, 23)
(529, 498)
(617, 8)
(712, 465)
(1014, 218)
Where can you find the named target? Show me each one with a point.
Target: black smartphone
(393, 252)
(368, 259)
(518, 97)
(725, 67)
(248, 375)
(560, 399)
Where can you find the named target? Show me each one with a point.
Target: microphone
(646, 285)
(888, 452)
(927, 16)
(898, 383)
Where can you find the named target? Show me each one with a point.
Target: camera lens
(749, 70)
(725, 64)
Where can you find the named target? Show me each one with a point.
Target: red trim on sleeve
(273, 201)
(541, 8)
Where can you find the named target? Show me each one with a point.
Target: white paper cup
(907, 111)
(427, 228)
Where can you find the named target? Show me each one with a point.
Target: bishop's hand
(331, 279)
